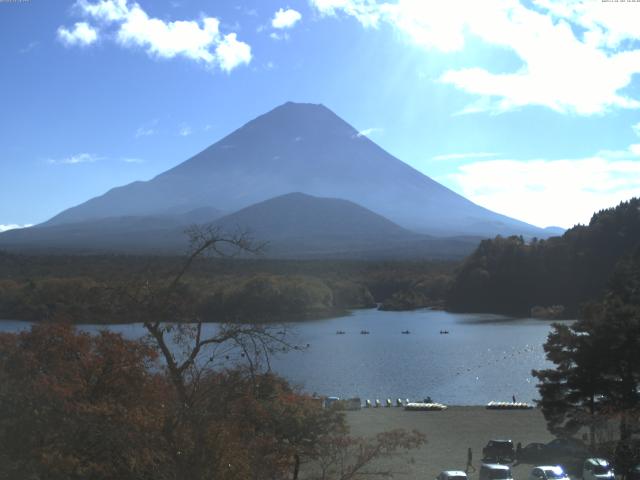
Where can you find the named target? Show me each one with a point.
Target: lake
(483, 358)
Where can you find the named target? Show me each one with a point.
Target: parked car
(548, 472)
(634, 473)
(567, 447)
(495, 471)
(532, 453)
(499, 450)
(451, 475)
(597, 469)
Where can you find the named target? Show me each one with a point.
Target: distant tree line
(80, 288)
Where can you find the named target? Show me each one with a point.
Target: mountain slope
(134, 234)
(294, 225)
(301, 148)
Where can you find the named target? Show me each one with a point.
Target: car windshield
(600, 470)
(554, 474)
(500, 474)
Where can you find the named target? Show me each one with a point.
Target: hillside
(290, 226)
(511, 275)
(132, 234)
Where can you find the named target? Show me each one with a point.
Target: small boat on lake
(406, 332)
(364, 332)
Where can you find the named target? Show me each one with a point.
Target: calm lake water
(483, 358)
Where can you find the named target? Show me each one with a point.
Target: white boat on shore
(424, 407)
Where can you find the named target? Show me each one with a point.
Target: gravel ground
(449, 434)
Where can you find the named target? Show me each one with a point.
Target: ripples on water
(483, 358)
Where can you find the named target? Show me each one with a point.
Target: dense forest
(553, 278)
(85, 288)
(559, 275)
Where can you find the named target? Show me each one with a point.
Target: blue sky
(529, 108)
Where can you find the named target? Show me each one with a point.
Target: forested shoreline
(87, 289)
(515, 276)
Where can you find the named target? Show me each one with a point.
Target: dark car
(634, 473)
(567, 447)
(533, 453)
(499, 450)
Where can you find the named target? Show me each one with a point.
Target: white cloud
(105, 10)
(13, 226)
(82, 35)
(367, 12)
(185, 131)
(560, 69)
(200, 41)
(607, 25)
(279, 36)
(232, 53)
(550, 192)
(145, 132)
(286, 18)
(463, 156)
(75, 159)
(368, 132)
(29, 47)
(132, 160)
(636, 128)
(147, 129)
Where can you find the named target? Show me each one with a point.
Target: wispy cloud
(131, 26)
(185, 131)
(464, 156)
(13, 226)
(285, 18)
(279, 36)
(369, 131)
(147, 129)
(75, 159)
(132, 160)
(81, 35)
(546, 192)
(31, 46)
(250, 12)
(582, 70)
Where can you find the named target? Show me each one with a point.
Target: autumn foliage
(78, 406)
(81, 406)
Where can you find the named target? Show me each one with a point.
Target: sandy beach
(449, 434)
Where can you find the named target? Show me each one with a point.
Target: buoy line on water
(508, 406)
(424, 407)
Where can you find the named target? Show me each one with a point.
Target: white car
(495, 471)
(597, 469)
(452, 475)
(548, 472)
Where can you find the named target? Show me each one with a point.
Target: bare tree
(193, 351)
(342, 457)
